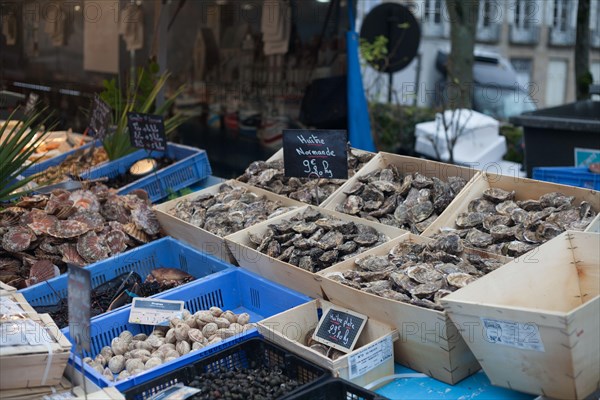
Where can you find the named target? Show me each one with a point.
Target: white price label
(154, 311)
(369, 357)
(513, 334)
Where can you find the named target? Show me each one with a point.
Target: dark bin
(551, 134)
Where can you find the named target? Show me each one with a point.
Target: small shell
(155, 341)
(133, 364)
(140, 336)
(214, 340)
(170, 336)
(118, 346)
(144, 346)
(243, 319)
(153, 362)
(206, 318)
(126, 336)
(197, 346)
(98, 368)
(236, 327)
(88, 360)
(181, 332)
(107, 352)
(195, 335)
(183, 348)
(159, 354)
(186, 314)
(123, 375)
(101, 360)
(173, 322)
(225, 333)
(144, 355)
(191, 322)
(210, 329)
(108, 375)
(222, 322)
(229, 316)
(172, 353)
(165, 348)
(116, 364)
(216, 311)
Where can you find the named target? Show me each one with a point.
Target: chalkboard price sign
(340, 328)
(100, 117)
(147, 131)
(315, 153)
(79, 297)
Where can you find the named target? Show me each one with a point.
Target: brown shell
(85, 200)
(136, 233)
(64, 212)
(66, 229)
(41, 223)
(17, 238)
(144, 218)
(37, 201)
(91, 248)
(41, 271)
(116, 240)
(168, 274)
(93, 219)
(70, 255)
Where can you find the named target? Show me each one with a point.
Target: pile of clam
(411, 201)
(270, 176)
(40, 234)
(129, 354)
(500, 224)
(75, 164)
(314, 241)
(230, 210)
(418, 274)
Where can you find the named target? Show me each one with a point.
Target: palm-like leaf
(17, 146)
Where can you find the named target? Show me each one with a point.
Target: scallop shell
(68, 229)
(41, 222)
(91, 248)
(136, 233)
(93, 219)
(144, 218)
(17, 238)
(70, 255)
(41, 271)
(116, 241)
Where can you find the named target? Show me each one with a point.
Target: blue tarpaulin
(359, 126)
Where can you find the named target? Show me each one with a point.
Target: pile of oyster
(129, 354)
(270, 176)
(418, 274)
(230, 210)
(75, 164)
(411, 201)
(40, 234)
(500, 224)
(314, 241)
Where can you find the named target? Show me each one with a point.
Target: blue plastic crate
(54, 161)
(192, 166)
(235, 289)
(166, 252)
(574, 176)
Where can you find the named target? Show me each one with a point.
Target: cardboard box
(534, 326)
(429, 342)
(405, 165)
(289, 329)
(202, 239)
(281, 272)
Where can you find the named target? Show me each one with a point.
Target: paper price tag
(513, 334)
(146, 311)
(369, 357)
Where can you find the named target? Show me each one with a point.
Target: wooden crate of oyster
(536, 323)
(282, 272)
(291, 330)
(527, 193)
(429, 341)
(200, 238)
(309, 196)
(6, 288)
(38, 364)
(405, 165)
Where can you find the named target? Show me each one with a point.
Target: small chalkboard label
(340, 328)
(79, 297)
(145, 311)
(315, 153)
(147, 131)
(32, 100)
(100, 117)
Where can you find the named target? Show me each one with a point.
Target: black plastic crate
(335, 389)
(264, 353)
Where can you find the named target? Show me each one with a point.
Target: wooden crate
(405, 165)
(429, 341)
(281, 272)
(534, 325)
(18, 298)
(4, 288)
(525, 189)
(202, 239)
(289, 329)
(29, 364)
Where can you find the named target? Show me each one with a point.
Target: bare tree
(453, 128)
(583, 76)
(463, 24)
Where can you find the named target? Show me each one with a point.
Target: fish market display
(314, 241)
(120, 291)
(230, 210)
(411, 201)
(75, 164)
(416, 273)
(498, 223)
(270, 176)
(40, 234)
(129, 354)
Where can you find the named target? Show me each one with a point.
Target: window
(433, 11)
(595, 70)
(525, 13)
(560, 14)
(488, 13)
(556, 82)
